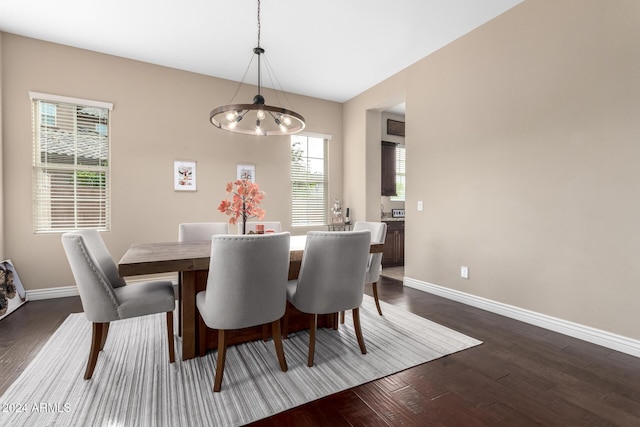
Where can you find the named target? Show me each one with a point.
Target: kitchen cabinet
(393, 254)
(388, 169)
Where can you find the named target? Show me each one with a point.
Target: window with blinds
(400, 174)
(309, 183)
(71, 172)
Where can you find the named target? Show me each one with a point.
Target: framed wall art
(247, 172)
(12, 293)
(184, 175)
(395, 127)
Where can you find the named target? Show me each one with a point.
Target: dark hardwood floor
(522, 375)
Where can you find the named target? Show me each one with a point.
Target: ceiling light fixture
(257, 118)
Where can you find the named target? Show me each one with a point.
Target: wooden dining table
(191, 261)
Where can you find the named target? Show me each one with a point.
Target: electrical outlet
(464, 272)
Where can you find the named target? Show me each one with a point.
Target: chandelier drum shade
(257, 118)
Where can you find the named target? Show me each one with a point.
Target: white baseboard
(72, 291)
(51, 293)
(585, 333)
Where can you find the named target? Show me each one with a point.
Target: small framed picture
(184, 175)
(247, 172)
(395, 127)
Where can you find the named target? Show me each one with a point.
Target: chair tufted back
(247, 280)
(332, 272)
(195, 231)
(378, 235)
(95, 274)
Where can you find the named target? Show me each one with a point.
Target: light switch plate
(420, 205)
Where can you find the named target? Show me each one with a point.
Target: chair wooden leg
(342, 317)
(202, 336)
(334, 320)
(222, 352)
(285, 322)
(374, 287)
(179, 303)
(105, 332)
(265, 333)
(277, 341)
(312, 339)
(172, 351)
(97, 336)
(356, 326)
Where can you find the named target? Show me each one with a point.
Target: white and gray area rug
(134, 384)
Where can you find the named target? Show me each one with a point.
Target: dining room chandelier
(257, 118)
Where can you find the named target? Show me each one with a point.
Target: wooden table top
(168, 257)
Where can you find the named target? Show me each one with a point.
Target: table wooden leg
(189, 315)
(179, 303)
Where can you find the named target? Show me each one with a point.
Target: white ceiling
(328, 49)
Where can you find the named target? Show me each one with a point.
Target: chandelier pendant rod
(259, 98)
(259, 51)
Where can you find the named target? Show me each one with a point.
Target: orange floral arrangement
(245, 202)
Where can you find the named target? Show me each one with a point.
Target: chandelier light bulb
(286, 120)
(260, 115)
(282, 127)
(231, 115)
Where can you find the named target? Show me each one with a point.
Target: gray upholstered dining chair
(105, 295)
(331, 278)
(246, 287)
(195, 231)
(276, 226)
(374, 264)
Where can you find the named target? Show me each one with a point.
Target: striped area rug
(134, 384)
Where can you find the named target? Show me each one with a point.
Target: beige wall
(523, 142)
(160, 115)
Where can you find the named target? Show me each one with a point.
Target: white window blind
(309, 183)
(71, 172)
(400, 174)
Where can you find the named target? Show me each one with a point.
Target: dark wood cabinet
(393, 254)
(388, 169)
